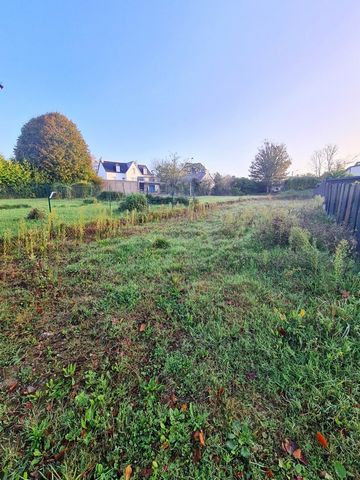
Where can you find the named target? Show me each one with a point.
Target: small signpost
(51, 196)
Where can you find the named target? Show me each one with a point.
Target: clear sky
(207, 79)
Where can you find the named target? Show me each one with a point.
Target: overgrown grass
(13, 211)
(188, 349)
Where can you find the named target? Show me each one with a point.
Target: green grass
(235, 326)
(12, 211)
(69, 211)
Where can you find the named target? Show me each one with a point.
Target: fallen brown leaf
(128, 472)
(199, 435)
(184, 407)
(12, 385)
(321, 439)
(142, 327)
(299, 456)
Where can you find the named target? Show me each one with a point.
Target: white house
(129, 172)
(354, 170)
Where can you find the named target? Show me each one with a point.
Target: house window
(117, 168)
(145, 171)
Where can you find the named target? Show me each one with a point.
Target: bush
(134, 201)
(21, 180)
(273, 227)
(82, 189)
(161, 243)
(303, 182)
(299, 239)
(324, 230)
(166, 200)
(110, 196)
(62, 190)
(35, 214)
(89, 201)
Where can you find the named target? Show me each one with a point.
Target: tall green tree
(53, 144)
(270, 164)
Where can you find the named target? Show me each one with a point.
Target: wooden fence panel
(342, 201)
(349, 203)
(354, 207)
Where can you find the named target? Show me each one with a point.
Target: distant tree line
(51, 151)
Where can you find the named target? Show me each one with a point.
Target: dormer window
(117, 168)
(145, 171)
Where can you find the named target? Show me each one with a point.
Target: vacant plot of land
(216, 348)
(13, 211)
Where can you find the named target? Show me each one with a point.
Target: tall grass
(53, 234)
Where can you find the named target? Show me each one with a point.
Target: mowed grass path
(68, 211)
(186, 350)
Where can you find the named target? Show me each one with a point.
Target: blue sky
(207, 79)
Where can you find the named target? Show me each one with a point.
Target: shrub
(299, 239)
(273, 227)
(303, 182)
(326, 232)
(82, 189)
(21, 180)
(182, 200)
(134, 201)
(161, 243)
(166, 200)
(110, 196)
(89, 201)
(35, 214)
(62, 190)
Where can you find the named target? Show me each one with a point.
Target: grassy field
(225, 346)
(69, 211)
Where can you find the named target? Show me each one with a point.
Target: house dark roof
(141, 168)
(124, 167)
(111, 166)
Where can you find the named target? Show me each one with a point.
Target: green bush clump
(134, 201)
(21, 180)
(89, 201)
(62, 190)
(166, 200)
(161, 243)
(110, 196)
(273, 227)
(299, 239)
(83, 189)
(301, 182)
(35, 214)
